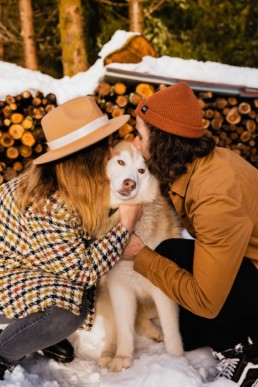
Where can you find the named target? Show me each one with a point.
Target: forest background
(205, 30)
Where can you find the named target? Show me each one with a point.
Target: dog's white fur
(121, 289)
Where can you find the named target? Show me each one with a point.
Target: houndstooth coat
(47, 259)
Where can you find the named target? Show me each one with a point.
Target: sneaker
(239, 364)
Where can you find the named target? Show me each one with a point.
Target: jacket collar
(180, 185)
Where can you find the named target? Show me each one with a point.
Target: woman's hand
(129, 215)
(135, 244)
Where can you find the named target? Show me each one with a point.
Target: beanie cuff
(166, 124)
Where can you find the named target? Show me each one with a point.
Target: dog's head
(130, 180)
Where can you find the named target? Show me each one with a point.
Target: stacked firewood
(232, 121)
(21, 135)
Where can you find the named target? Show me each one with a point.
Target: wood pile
(232, 121)
(21, 135)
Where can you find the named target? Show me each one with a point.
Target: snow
(152, 366)
(14, 79)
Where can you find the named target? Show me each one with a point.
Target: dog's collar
(112, 211)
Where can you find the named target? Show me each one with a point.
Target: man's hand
(135, 244)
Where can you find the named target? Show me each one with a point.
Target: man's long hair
(81, 181)
(170, 154)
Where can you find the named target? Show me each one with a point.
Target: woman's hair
(81, 181)
(170, 154)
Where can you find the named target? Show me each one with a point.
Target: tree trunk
(136, 16)
(27, 32)
(74, 55)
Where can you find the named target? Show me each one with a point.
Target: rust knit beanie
(175, 110)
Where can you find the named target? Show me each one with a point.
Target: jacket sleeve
(66, 253)
(223, 230)
(102, 255)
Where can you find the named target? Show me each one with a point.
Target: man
(214, 276)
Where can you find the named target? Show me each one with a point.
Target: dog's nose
(129, 185)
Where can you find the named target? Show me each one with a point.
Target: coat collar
(180, 185)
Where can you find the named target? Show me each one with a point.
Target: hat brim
(90, 139)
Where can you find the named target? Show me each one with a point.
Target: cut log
(134, 49)
(12, 153)
(135, 98)
(16, 131)
(244, 108)
(6, 140)
(7, 112)
(205, 123)
(27, 123)
(250, 126)
(103, 89)
(216, 123)
(39, 148)
(221, 103)
(28, 138)
(201, 103)
(245, 136)
(51, 98)
(16, 118)
(25, 151)
(232, 101)
(122, 100)
(9, 99)
(233, 116)
(117, 111)
(145, 90)
(205, 95)
(209, 113)
(26, 98)
(18, 166)
(109, 106)
(119, 88)
(2, 166)
(125, 130)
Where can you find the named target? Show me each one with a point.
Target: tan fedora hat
(75, 125)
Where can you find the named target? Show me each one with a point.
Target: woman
(49, 260)
(214, 276)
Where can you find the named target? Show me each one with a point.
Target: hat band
(79, 133)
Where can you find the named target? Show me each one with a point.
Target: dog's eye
(141, 170)
(121, 162)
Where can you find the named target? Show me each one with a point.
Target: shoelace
(227, 367)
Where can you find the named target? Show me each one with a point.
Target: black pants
(237, 319)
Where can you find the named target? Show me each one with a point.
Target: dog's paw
(158, 336)
(120, 362)
(175, 348)
(105, 359)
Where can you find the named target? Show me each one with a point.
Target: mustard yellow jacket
(217, 203)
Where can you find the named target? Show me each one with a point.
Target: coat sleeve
(66, 253)
(223, 230)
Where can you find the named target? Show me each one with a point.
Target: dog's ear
(111, 152)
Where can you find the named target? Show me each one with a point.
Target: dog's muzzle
(128, 186)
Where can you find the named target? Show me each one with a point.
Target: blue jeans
(38, 331)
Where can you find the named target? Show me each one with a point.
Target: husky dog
(122, 289)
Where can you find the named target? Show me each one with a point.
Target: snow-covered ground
(152, 366)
